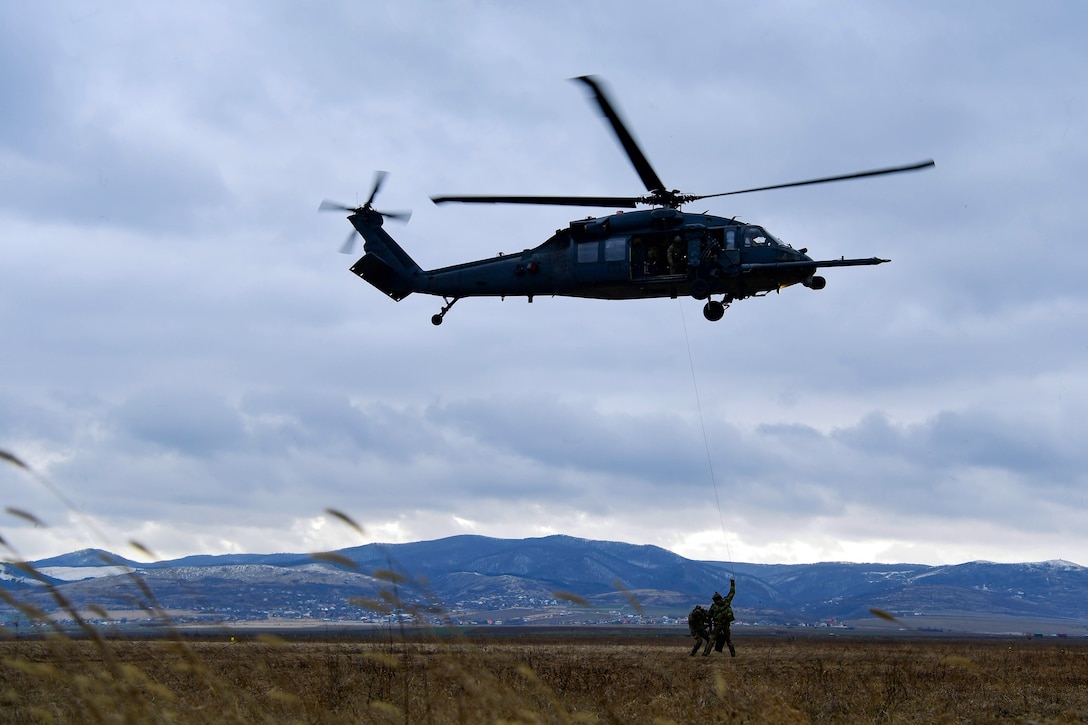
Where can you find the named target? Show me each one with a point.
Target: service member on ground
(699, 626)
(721, 616)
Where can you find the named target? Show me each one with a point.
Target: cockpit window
(756, 237)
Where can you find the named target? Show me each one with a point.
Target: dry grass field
(640, 676)
(614, 679)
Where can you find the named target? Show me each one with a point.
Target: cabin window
(587, 252)
(615, 249)
(731, 239)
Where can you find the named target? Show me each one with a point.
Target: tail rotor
(349, 244)
(367, 209)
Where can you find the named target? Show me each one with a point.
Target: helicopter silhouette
(648, 253)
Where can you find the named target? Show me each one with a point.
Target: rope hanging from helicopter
(706, 445)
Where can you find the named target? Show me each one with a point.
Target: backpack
(698, 621)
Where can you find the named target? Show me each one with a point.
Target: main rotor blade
(642, 165)
(623, 202)
(844, 177)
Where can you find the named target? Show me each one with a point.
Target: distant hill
(554, 579)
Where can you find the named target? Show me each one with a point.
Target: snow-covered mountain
(471, 577)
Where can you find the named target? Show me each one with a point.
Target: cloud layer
(187, 358)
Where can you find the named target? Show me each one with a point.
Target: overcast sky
(187, 359)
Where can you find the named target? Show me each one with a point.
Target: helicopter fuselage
(633, 255)
(641, 254)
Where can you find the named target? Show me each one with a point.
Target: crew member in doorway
(678, 256)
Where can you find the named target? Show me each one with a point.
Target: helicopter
(648, 253)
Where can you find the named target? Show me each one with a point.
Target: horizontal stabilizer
(381, 275)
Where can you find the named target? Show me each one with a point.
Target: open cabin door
(658, 254)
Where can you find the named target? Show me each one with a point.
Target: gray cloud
(187, 356)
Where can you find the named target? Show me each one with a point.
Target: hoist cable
(706, 442)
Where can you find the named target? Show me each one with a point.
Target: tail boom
(385, 265)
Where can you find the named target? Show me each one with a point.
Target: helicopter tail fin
(385, 265)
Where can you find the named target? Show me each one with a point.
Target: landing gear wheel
(713, 311)
(437, 319)
(700, 288)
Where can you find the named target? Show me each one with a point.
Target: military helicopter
(656, 252)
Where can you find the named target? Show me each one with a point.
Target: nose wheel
(714, 310)
(437, 319)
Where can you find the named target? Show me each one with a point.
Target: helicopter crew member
(721, 616)
(654, 263)
(678, 256)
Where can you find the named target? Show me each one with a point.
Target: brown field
(542, 679)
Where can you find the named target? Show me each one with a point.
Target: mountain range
(549, 580)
